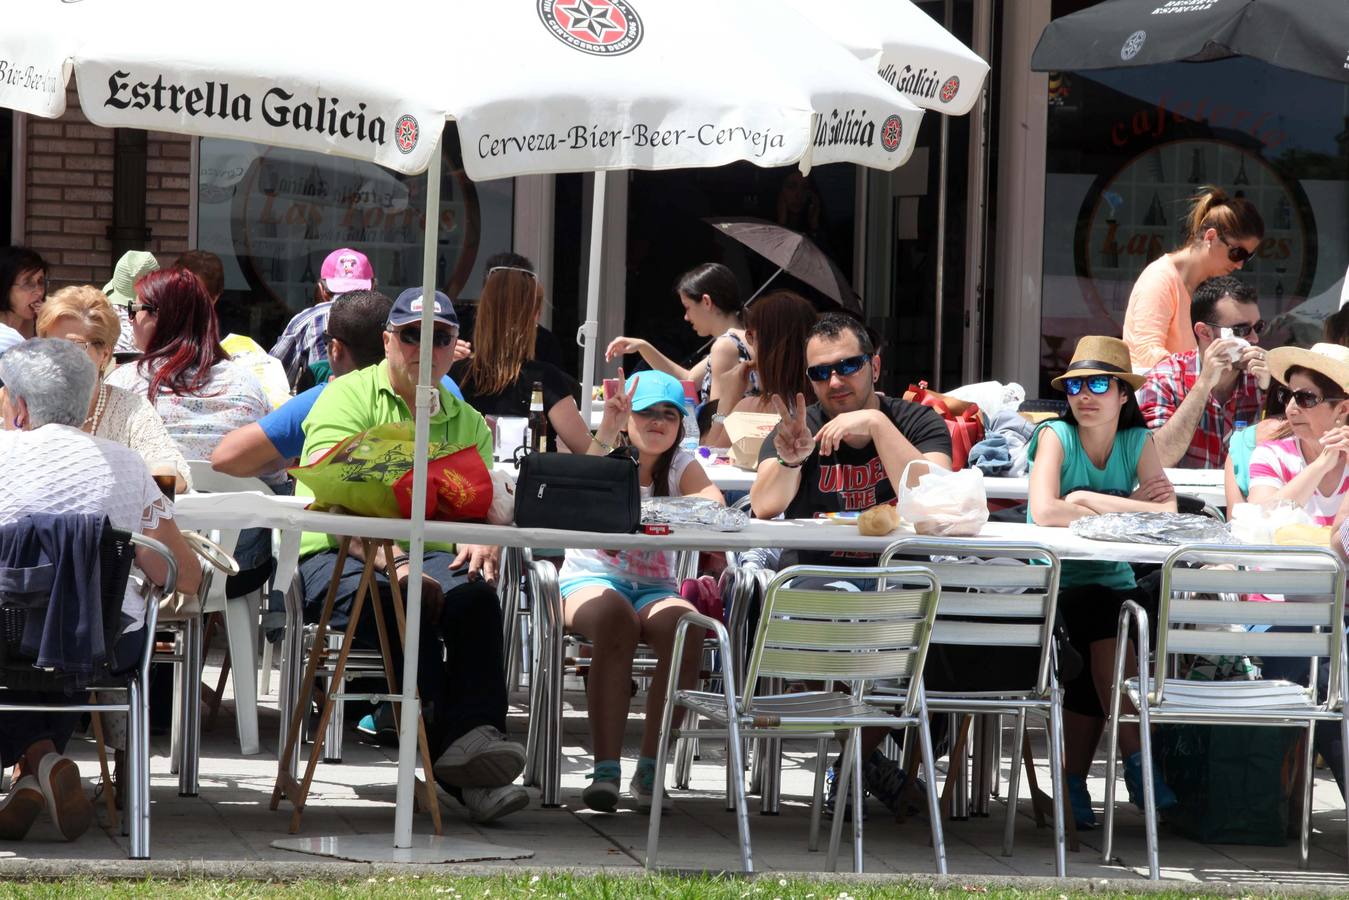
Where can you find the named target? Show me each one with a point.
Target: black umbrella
(793, 253)
(1309, 36)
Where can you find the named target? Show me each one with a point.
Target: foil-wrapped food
(697, 511)
(1153, 528)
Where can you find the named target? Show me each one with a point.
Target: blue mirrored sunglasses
(1097, 384)
(844, 367)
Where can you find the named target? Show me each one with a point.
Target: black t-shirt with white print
(854, 479)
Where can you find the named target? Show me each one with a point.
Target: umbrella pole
(945, 145)
(426, 396)
(761, 289)
(587, 334)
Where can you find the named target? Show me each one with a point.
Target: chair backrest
(208, 481)
(881, 631)
(1312, 576)
(993, 594)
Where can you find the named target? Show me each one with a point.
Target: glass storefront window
(273, 214)
(1128, 147)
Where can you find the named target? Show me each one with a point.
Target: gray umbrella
(793, 253)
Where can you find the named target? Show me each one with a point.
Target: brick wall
(69, 195)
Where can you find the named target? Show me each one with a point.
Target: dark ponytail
(714, 280)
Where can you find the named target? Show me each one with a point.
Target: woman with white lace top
(82, 315)
(52, 466)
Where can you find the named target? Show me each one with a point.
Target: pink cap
(347, 270)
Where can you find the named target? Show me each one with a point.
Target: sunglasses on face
(1235, 252)
(1304, 399)
(844, 367)
(1097, 384)
(135, 308)
(412, 337)
(1241, 330)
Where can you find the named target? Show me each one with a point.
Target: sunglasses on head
(844, 367)
(1235, 252)
(413, 337)
(1304, 399)
(1097, 384)
(1241, 330)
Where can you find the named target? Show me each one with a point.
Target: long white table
(288, 515)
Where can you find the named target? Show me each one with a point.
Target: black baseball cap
(408, 309)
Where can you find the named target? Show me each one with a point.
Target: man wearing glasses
(846, 451)
(1193, 400)
(465, 693)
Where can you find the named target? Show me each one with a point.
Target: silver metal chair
(1313, 581)
(987, 604)
(817, 634)
(134, 684)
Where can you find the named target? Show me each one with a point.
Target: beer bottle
(538, 421)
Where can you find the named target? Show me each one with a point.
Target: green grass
(542, 887)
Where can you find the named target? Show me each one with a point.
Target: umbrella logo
(1133, 45)
(892, 130)
(950, 89)
(599, 27)
(405, 133)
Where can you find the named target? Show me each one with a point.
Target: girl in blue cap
(619, 598)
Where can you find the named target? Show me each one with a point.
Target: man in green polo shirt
(463, 689)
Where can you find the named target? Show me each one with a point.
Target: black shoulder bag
(578, 492)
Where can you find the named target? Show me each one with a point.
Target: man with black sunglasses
(463, 685)
(846, 451)
(1193, 400)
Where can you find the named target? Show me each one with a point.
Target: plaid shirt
(1166, 387)
(303, 341)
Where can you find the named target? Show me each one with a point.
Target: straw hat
(1331, 360)
(1099, 355)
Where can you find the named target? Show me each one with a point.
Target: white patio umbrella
(540, 87)
(907, 47)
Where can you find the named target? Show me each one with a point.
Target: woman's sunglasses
(1097, 384)
(1304, 399)
(135, 308)
(1235, 252)
(412, 337)
(843, 367)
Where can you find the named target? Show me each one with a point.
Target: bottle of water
(690, 440)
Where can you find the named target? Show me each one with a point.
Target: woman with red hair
(184, 372)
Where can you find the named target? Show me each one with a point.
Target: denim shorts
(636, 594)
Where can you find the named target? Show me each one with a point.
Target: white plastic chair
(241, 613)
(811, 634)
(1312, 579)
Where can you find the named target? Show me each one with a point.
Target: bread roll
(878, 520)
(1303, 536)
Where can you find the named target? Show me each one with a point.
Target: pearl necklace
(91, 423)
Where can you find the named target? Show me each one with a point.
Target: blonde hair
(504, 330)
(1233, 217)
(86, 303)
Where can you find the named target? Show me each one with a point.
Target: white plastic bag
(952, 504)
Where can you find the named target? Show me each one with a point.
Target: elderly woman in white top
(82, 315)
(51, 466)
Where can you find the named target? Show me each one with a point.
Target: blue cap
(653, 388)
(408, 309)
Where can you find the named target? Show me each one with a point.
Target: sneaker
(68, 804)
(487, 804)
(642, 787)
(20, 808)
(831, 793)
(601, 794)
(481, 758)
(380, 726)
(1162, 795)
(886, 781)
(1079, 801)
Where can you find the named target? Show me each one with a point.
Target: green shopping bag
(1233, 782)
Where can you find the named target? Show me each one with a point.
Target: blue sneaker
(1162, 795)
(1079, 801)
(831, 793)
(380, 726)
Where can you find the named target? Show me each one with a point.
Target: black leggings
(1091, 613)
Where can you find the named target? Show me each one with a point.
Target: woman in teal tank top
(1098, 458)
